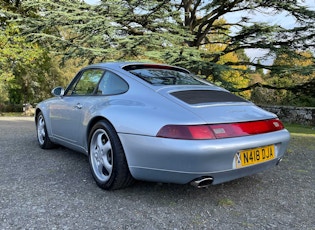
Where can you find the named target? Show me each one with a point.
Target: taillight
(188, 132)
(218, 131)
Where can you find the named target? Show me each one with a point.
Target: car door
(67, 115)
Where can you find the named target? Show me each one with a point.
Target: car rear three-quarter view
(160, 123)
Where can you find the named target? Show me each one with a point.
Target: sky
(91, 1)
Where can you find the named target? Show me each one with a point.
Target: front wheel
(107, 158)
(42, 134)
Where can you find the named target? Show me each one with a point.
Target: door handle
(78, 106)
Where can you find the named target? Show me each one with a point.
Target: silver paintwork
(138, 114)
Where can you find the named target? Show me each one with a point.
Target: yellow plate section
(254, 156)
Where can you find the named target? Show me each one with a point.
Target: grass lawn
(300, 129)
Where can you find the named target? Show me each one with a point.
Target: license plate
(254, 156)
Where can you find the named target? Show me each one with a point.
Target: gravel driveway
(53, 189)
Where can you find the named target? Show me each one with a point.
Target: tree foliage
(18, 60)
(27, 71)
(233, 76)
(289, 86)
(171, 31)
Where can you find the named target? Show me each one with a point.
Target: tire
(107, 158)
(42, 134)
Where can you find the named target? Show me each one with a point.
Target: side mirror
(58, 91)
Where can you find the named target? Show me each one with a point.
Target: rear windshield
(161, 75)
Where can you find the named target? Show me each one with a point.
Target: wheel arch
(122, 175)
(37, 111)
(46, 140)
(90, 125)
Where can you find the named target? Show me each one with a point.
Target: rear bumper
(218, 177)
(181, 161)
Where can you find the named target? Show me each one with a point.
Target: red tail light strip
(218, 131)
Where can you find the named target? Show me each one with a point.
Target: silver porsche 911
(159, 123)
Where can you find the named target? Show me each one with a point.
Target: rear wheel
(107, 158)
(42, 134)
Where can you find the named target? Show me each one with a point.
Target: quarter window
(111, 84)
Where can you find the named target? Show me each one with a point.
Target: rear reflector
(218, 131)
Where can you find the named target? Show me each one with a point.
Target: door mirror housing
(58, 91)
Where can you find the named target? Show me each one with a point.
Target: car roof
(121, 65)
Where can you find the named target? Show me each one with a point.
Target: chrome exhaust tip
(202, 182)
(279, 160)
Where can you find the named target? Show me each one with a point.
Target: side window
(87, 83)
(111, 84)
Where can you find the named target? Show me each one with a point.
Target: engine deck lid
(216, 105)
